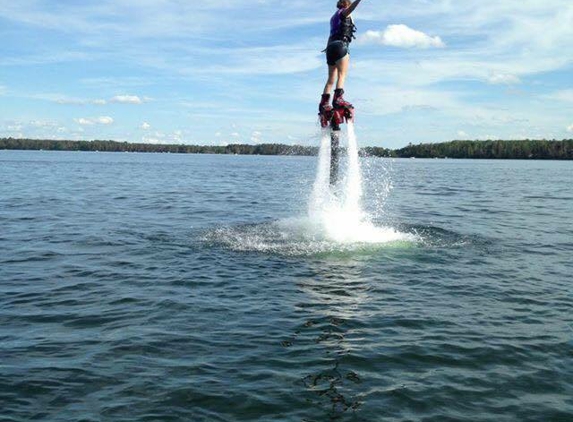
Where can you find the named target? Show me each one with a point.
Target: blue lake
(166, 287)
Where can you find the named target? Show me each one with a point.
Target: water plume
(336, 222)
(337, 210)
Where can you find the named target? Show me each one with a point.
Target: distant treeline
(113, 146)
(526, 149)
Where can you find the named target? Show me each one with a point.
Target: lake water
(162, 287)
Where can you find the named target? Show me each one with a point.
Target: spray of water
(353, 191)
(320, 196)
(336, 220)
(337, 210)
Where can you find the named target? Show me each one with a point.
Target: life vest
(342, 29)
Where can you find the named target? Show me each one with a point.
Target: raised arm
(351, 8)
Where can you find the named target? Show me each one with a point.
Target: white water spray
(336, 221)
(336, 212)
(353, 191)
(320, 192)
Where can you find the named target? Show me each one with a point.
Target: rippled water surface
(158, 287)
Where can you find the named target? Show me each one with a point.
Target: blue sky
(228, 71)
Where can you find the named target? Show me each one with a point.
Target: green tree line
(113, 146)
(524, 149)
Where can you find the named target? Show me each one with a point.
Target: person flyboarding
(342, 31)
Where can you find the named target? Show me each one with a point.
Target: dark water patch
(549, 197)
(434, 236)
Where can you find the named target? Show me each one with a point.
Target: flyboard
(332, 118)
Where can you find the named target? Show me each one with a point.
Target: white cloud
(256, 137)
(126, 99)
(15, 127)
(117, 82)
(44, 58)
(145, 126)
(43, 124)
(150, 140)
(402, 36)
(67, 101)
(462, 134)
(163, 138)
(276, 60)
(503, 79)
(565, 95)
(389, 100)
(90, 121)
(570, 128)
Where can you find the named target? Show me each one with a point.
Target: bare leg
(342, 68)
(332, 73)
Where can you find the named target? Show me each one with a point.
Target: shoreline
(498, 149)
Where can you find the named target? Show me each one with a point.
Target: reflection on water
(336, 295)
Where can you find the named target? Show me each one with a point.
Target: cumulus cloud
(570, 128)
(503, 79)
(145, 126)
(164, 138)
(106, 120)
(90, 121)
(127, 99)
(402, 36)
(256, 137)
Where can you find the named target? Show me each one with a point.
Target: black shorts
(335, 51)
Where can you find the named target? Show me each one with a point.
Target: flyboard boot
(333, 116)
(338, 100)
(325, 111)
(342, 110)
